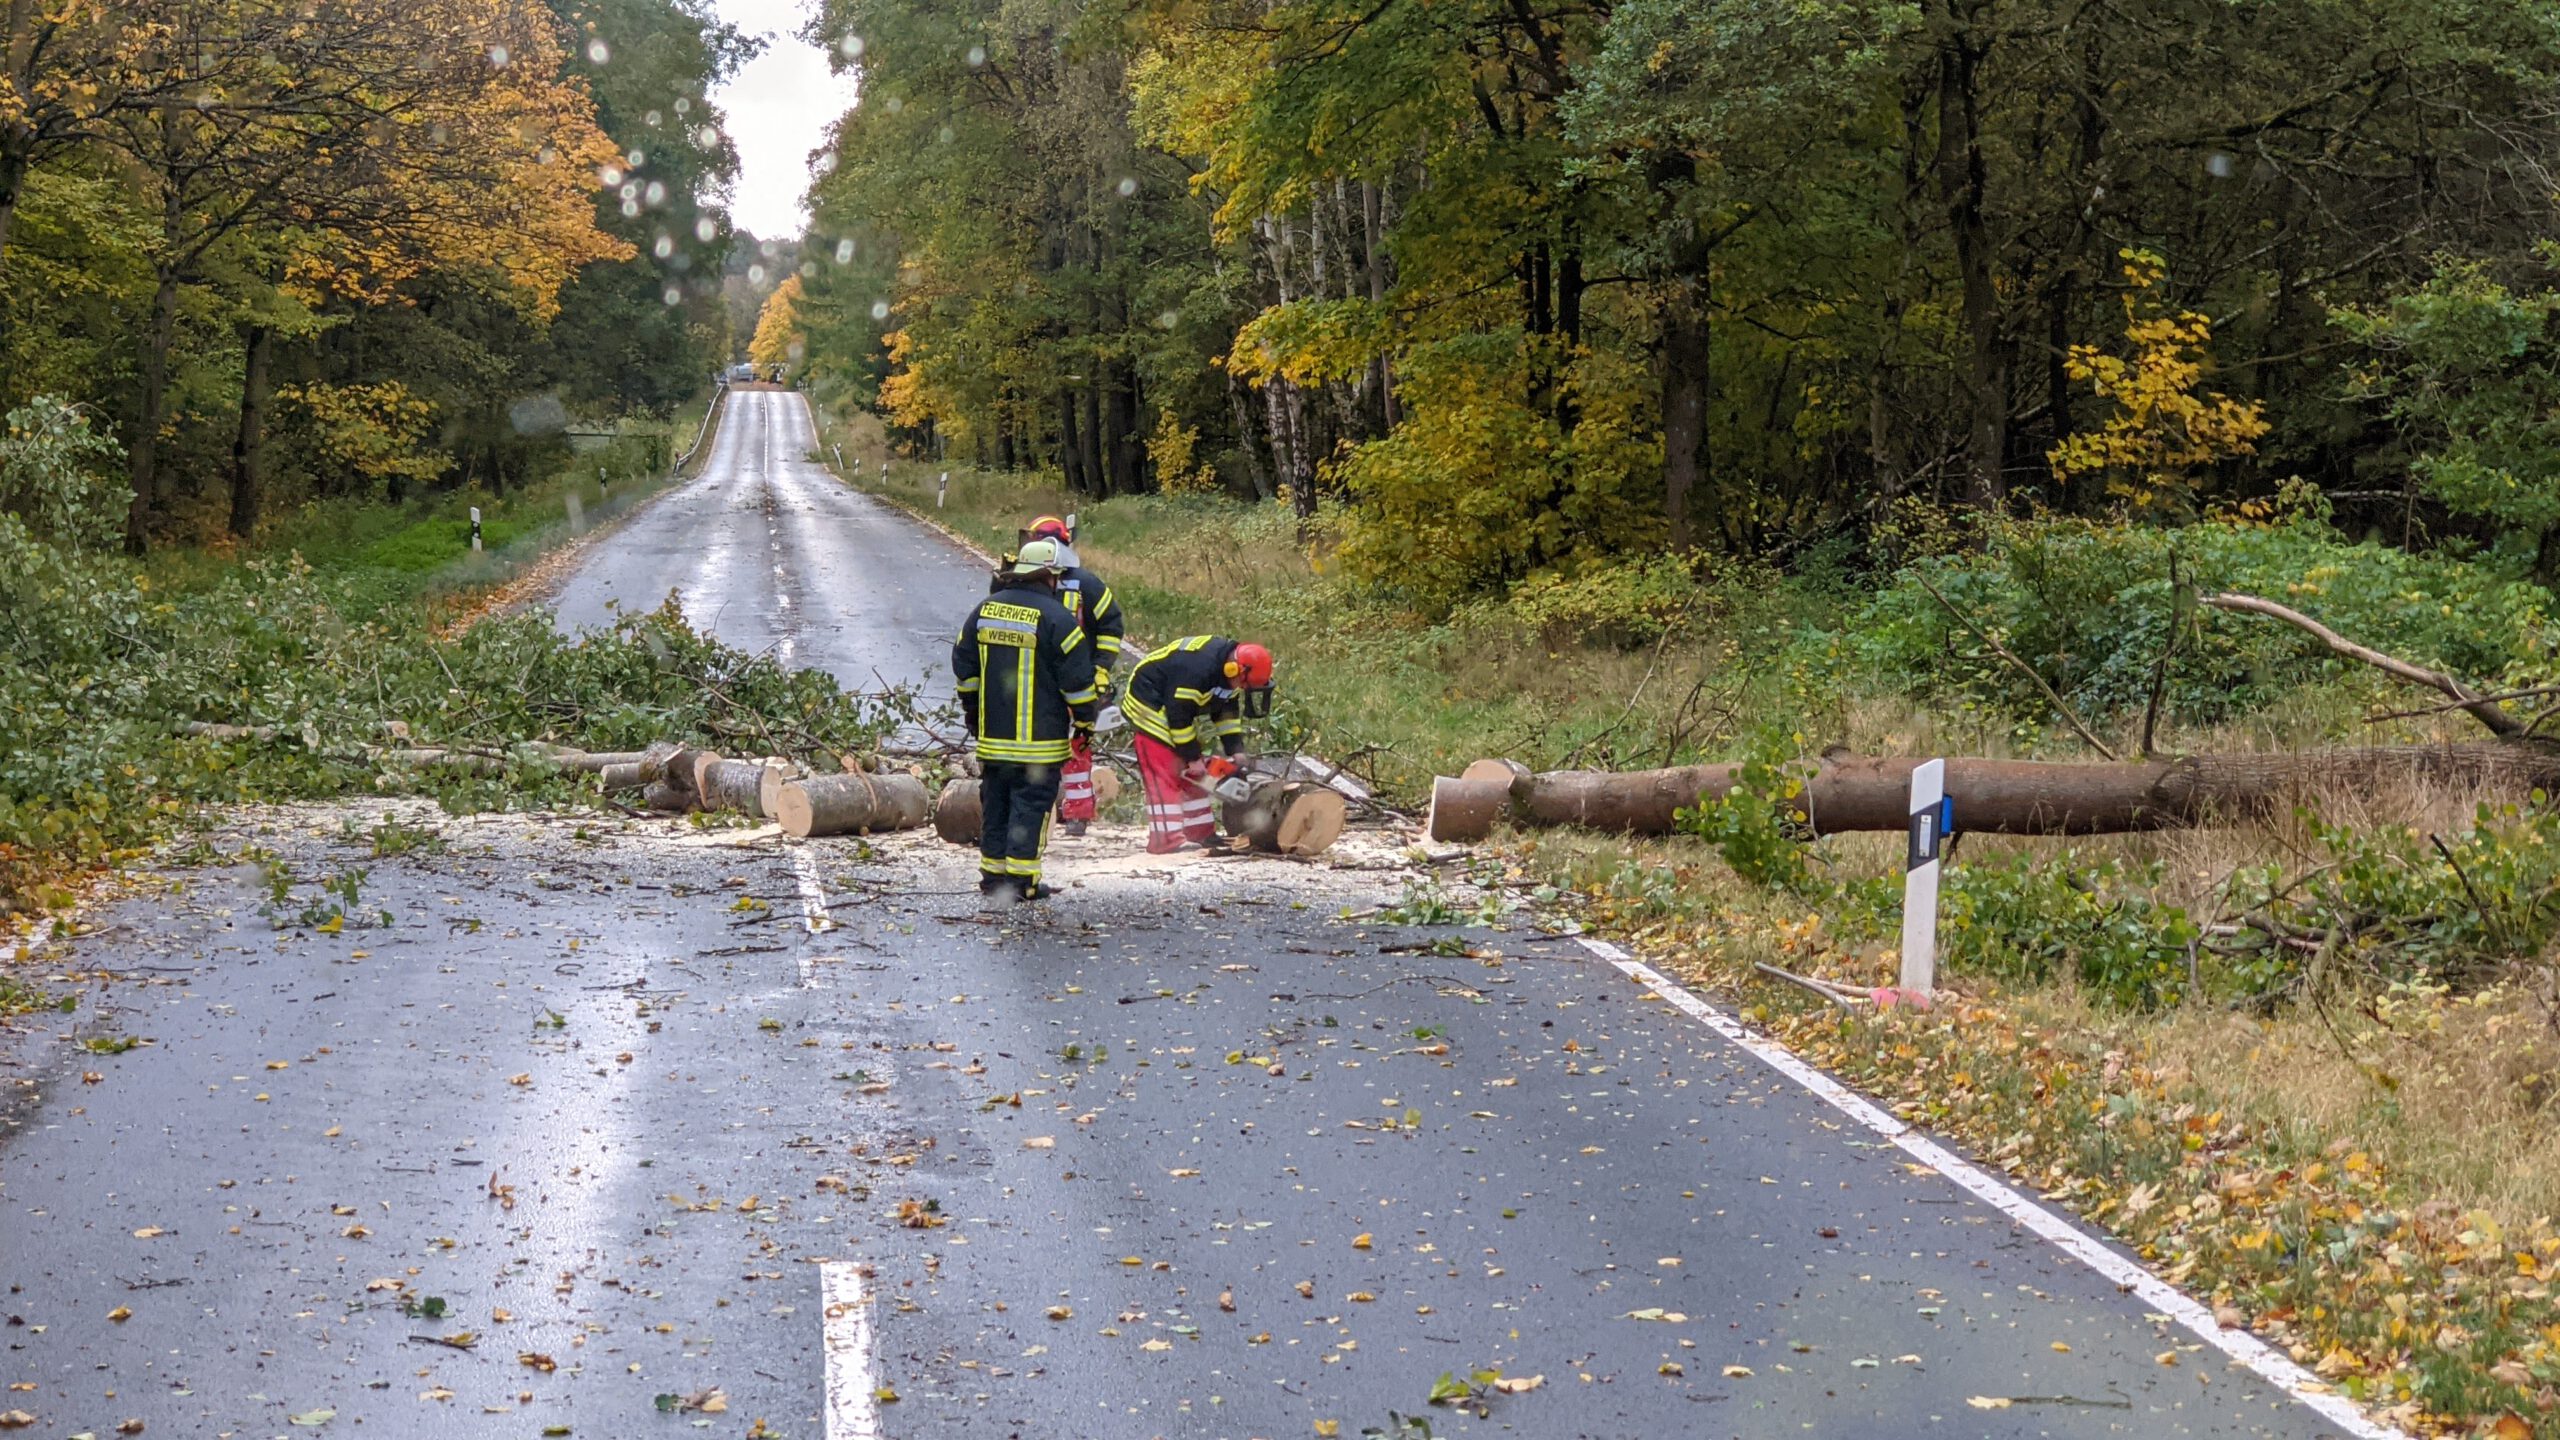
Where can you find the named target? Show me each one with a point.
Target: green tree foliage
(265, 237)
(1534, 286)
(2468, 372)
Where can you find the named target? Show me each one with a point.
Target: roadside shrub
(2089, 605)
(1627, 603)
(2395, 904)
(2036, 918)
(91, 764)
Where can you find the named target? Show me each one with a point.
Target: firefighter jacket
(1098, 610)
(1026, 676)
(1182, 692)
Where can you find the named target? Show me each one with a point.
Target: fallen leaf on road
(1182, 1174)
(1519, 1384)
(1987, 1402)
(314, 1419)
(1041, 1142)
(20, 1420)
(1061, 1312)
(536, 1360)
(524, 1079)
(1157, 1345)
(2061, 1349)
(1737, 1372)
(120, 1314)
(748, 1205)
(2511, 1426)
(1360, 1241)
(1360, 1297)
(1669, 1367)
(149, 1232)
(1323, 1427)
(1306, 1289)
(130, 1427)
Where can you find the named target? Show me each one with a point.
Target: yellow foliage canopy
(2163, 428)
(779, 339)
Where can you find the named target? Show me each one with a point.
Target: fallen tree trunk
(1288, 817)
(738, 785)
(853, 804)
(2032, 797)
(957, 816)
(1465, 810)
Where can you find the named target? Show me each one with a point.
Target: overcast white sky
(779, 107)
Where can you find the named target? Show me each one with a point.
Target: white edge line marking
(2244, 1348)
(853, 1389)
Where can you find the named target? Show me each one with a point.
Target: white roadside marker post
(475, 527)
(1929, 816)
(941, 488)
(839, 455)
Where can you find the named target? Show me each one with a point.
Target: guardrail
(710, 427)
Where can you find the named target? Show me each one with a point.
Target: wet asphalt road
(1186, 1154)
(771, 552)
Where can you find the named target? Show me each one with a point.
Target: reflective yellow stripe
(1196, 697)
(1152, 721)
(1022, 675)
(1075, 638)
(1081, 697)
(1027, 752)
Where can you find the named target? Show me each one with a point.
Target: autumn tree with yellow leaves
(2163, 428)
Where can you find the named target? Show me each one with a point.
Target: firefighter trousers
(1014, 802)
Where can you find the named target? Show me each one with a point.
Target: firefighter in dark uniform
(1191, 691)
(1026, 687)
(1090, 600)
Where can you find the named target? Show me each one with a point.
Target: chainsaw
(1223, 779)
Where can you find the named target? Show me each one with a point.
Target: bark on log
(731, 785)
(680, 776)
(667, 798)
(850, 804)
(1288, 817)
(957, 816)
(1464, 810)
(631, 775)
(2030, 797)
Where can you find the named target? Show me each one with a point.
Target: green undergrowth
(1647, 669)
(104, 663)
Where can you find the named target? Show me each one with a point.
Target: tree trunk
(1962, 181)
(2029, 797)
(15, 162)
(1071, 446)
(1092, 437)
(1249, 439)
(958, 816)
(249, 448)
(1687, 456)
(151, 411)
(1287, 817)
(851, 804)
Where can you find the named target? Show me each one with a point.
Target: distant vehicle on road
(741, 374)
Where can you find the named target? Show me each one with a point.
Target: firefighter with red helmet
(1025, 677)
(1181, 697)
(1090, 600)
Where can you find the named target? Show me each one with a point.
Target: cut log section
(1500, 771)
(777, 773)
(850, 804)
(957, 816)
(1106, 785)
(2031, 797)
(1465, 810)
(1288, 817)
(731, 785)
(631, 775)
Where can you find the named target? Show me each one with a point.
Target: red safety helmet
(1250, 666)
(1050, 527)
